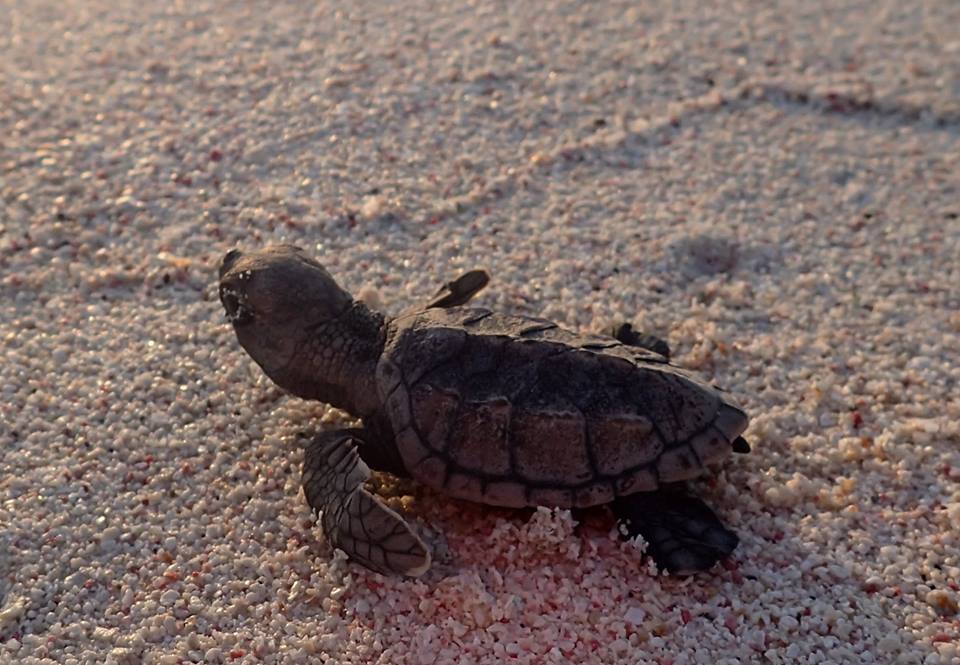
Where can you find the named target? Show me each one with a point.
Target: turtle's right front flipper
(352, 518)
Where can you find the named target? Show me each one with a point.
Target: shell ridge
(672, 407)
(477, 318)
(696, 456)
(716, 429)
(586, 437)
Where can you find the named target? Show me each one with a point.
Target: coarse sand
(774, 187)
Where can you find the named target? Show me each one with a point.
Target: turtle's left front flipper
(459, 291)
(352, 518)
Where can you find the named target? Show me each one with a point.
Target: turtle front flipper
(683, 535)
(624, 332)
(460, 290)
(352, 518)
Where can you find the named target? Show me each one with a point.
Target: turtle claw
(683, 535)
(740, 445)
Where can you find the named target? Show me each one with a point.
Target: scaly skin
(336, 361)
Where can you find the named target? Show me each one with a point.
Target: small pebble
(944, 602)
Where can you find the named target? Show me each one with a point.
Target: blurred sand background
(773, 187)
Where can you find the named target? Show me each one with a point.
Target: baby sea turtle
(503, 410)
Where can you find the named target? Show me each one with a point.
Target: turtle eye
(228, 260)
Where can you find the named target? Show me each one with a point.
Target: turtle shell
(514, 411)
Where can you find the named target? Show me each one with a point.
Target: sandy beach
(774, 188)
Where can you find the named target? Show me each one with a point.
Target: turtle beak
(232, 295)
(233, 302)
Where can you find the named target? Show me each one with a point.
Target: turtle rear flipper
(683, 535)
(624, 332)
(352, 518)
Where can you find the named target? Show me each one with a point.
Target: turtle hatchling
(498, 409)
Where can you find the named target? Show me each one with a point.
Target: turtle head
(275, 298)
